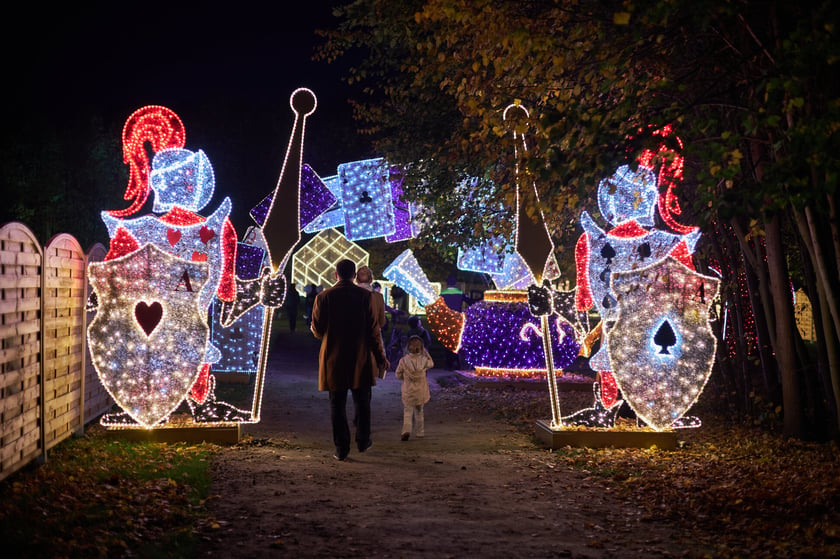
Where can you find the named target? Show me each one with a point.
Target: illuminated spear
(281, 227)
(533, 243)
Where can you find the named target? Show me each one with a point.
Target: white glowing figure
(183, 183)
(628, 201)
(150, 347)
(515, 273)
(661, 344)
(628, 196)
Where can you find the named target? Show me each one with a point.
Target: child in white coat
(411, 370)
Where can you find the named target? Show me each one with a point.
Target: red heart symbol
(148, 316)
(205, 234)
(199, 257)
(173, 236)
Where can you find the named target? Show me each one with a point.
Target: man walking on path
(351, 354)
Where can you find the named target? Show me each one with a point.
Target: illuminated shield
(150, 332)
(661, 346)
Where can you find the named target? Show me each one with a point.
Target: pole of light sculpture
(281, 227)
(534, 245)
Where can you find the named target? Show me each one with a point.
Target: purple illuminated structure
(503, 336)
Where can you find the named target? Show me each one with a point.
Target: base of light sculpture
(498, 378)
(216, 434)
(603, 438)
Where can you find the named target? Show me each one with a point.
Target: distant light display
(446, 324)
(515, 273)
(334, 215)
(488, 258)
(327, 220)
(366, 199)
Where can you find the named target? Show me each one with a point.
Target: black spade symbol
(365, 198)
(644, 250)
(665, 337)
(608, 302)
(605, 274)
(608, 252)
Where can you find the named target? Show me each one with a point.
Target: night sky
(226, 68)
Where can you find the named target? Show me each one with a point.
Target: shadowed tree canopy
(434, 76)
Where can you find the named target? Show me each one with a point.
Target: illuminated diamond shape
(315, 262)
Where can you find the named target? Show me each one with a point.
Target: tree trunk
(784, 346)
(820, 267)
(756, 263)
(825, 295)
(757, 303)
(835, 234)
(832, 355)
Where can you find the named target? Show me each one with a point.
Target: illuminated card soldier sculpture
(202, 251)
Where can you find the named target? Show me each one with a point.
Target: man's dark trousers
(338, 414)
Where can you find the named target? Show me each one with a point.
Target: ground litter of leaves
(738, 490)
(741, 490)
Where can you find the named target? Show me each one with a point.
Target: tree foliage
(57, 179)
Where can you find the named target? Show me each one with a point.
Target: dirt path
(473, 487)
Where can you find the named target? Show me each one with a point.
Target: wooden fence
(48, 389)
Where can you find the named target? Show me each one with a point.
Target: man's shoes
(404, 437)
(341, 455)
(366, 445)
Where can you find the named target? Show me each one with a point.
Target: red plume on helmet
(163, 129)
(667, 162)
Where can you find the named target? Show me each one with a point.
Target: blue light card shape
(488, 258)
(366, 199)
